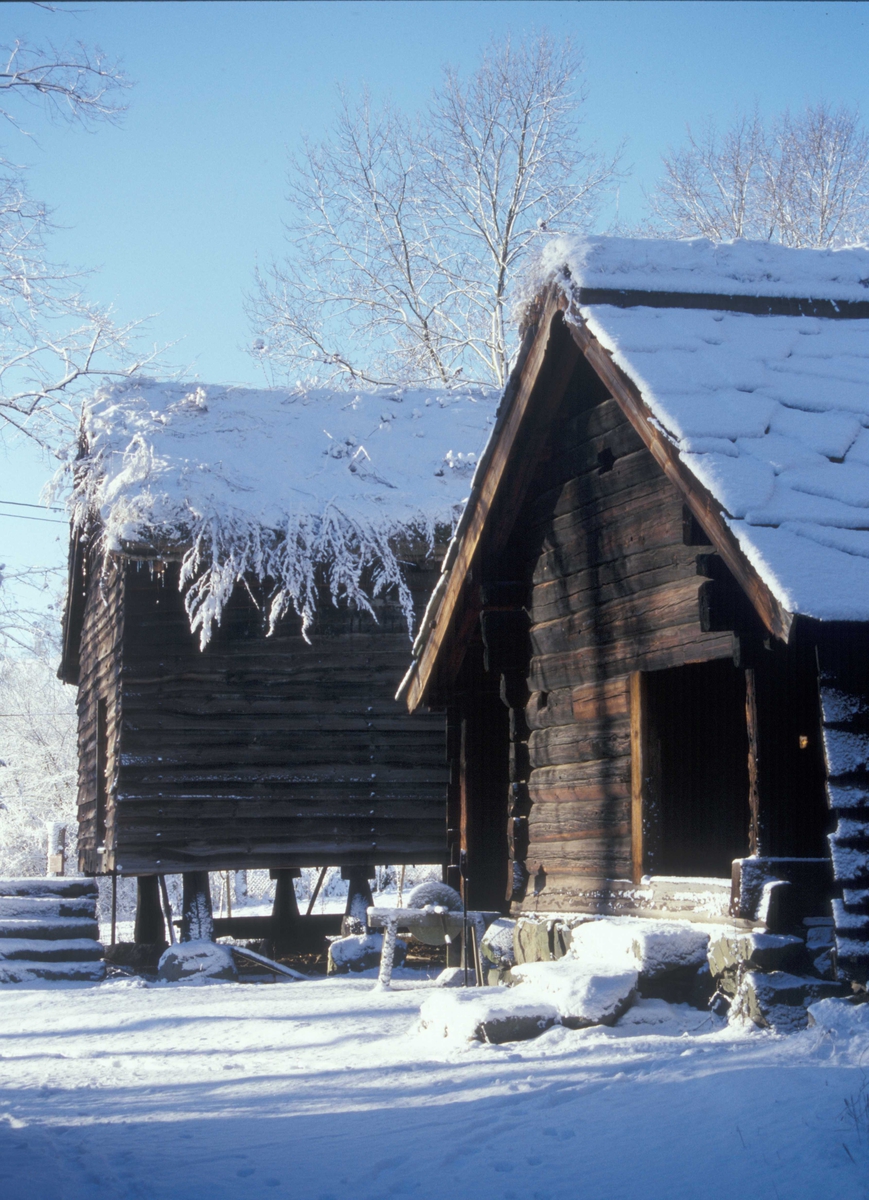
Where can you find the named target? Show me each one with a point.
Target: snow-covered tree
(37, 761)
(405, 233)
(51, 335)
(801, 179)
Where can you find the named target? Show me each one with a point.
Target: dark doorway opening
(698, 788)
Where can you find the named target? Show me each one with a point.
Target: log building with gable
(651, 633)
(245, 569)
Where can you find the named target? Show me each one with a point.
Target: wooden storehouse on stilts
(244, 571)
(651, 635)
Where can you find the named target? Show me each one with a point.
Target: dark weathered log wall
(99, 682)
(612, 589)
(267, 751)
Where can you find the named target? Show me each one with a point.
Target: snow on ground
(325, 1091)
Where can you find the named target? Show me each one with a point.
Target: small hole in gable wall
(605, 460)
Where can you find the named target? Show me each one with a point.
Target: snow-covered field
(325, 1091)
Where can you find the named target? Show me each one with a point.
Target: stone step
(780, 1001)
(70, 886)
(39, 907)
(67, 972)
(51, 929)
(70, 950)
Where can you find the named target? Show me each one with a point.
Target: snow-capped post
(197, 922)
(387, 954)
(56, 848)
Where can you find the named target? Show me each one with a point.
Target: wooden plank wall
(269, 752)
(613, 590)
(99, 679)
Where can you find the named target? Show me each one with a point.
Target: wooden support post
(150, 930)
(316, 892)
(285, 911)
(167, 909)
(197, 922)
(359, 898)
(639, 772)
(754, 846)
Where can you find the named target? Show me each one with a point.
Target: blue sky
(179, 202)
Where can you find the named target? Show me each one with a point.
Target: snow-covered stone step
(53, 886)
(36, 950)
(48, 907)
(48, 929)
(33, 972)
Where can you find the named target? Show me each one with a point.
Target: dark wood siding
(268, 751)
(612, 589)
(99, 686)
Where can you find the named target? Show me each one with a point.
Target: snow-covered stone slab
(847, 797)
(651, 947)
(494, 1015)
(48, 927)
(732, 953)
(779, 1000)
(48, 887)
(581, 996)
(496, 946)
(60, 972)
(41, 950)
(197, 961)
(360, 952)
(851, 921)
(850, 863)
(47, 907)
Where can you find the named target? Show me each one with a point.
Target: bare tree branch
(803, 181)
(404, 236)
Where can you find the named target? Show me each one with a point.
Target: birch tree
(801, 180)
(405, 233)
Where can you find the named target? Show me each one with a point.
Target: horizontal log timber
(563, 706)
(652, 651)
(605, 795)
(575, 743)
(273, 858)
(602, 541)
(594, 534)
(133, 775)
(617, 579)
(674, 604)
(582, 857)
(601, 772)
(394, 728)
(595, 471)
(579, 819)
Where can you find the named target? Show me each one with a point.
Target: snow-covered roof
(769, 412)
(697, 265)
(276, 483)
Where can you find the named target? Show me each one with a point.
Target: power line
(24, 504)
(25, 517)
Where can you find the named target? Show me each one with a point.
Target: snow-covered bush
(37, 762)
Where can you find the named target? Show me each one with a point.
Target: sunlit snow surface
(324, 1091)
(770, 413)
(277, 483)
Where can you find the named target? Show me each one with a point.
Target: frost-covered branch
(405, 235)
(51, 337)
(802, 180)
